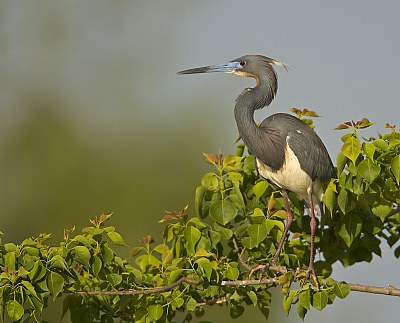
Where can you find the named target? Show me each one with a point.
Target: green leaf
(192, 236)
(222, 211)
(270, 224)
(66, 304)
(341, 162)
(253, 297)
(264, 301)
(381, 144)
(14, 310)
(9, 247)
(58, 262)
(199, 199)
(210, 180)
(232, 273)
(155, 312)
(191, 305)
(135, 250)
(9, 261)
(96, 266)
(350, 228)
(356, 186)
(343, 200)
(177, 302)
(382, 210)
(116, 238)
(288, 300)
(341, 290)
(239, 148)
(395, 167)
(368, 170)
(139, 316)
(257, 212)
(236, 311)
(108, 254)
(304, 298)
(82, 255)
(161, 249)
(236, 197)
(320, 300)
(174, 275)
(83, 240)
(93, 231)
(369, 150)
(37, 272)
(257, 233)
(301, 311)
(36, 302)
(55, 283)
(215, 237)
(198, 223)
(225, 233)
(260, 188)
(114, 279)
(146, 260)
(235, 178)
(119, 262)
(231, 162)
(397, 252)
(330, 282)
(351, 148)
(329, 199)
(29, 287)
(205, 266)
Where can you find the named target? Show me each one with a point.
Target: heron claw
(273, 266)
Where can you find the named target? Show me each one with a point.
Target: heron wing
(303, 141)
(311, 152)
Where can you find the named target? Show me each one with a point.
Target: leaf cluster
(208, 258)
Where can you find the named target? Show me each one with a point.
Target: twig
(219, 300)
(242, 261)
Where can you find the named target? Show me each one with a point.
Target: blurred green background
(94, 118)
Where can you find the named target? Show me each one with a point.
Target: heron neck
(248, 101)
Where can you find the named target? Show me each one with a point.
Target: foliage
(204, 259)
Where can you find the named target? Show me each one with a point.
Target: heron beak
(229, 67)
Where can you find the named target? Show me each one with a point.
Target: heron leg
(289, 220)
(313, 227)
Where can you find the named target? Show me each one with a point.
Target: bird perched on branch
(289, 154)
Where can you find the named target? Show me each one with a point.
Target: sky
(91, 87)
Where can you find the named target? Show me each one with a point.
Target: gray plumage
(267, 141)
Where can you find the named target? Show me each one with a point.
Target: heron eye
(242, 63)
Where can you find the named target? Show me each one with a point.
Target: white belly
(292, 178)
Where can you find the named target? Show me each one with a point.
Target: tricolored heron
(289, 154)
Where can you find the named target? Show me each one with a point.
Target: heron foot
(258, 268)
(269, 266)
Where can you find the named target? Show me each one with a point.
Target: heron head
(249, 65)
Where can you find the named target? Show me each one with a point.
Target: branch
(389, 290)
(138, 292)
(394, 211)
